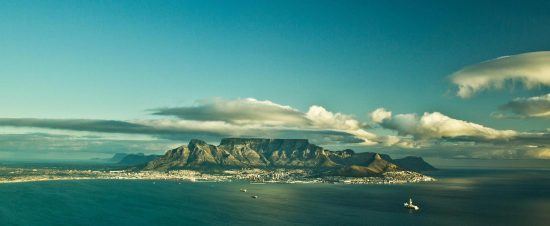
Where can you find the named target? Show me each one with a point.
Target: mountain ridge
(275, 153)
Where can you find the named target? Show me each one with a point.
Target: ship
(410, 205)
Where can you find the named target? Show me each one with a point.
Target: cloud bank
(29, 146)
(435, 134)
(240, 111)
(242, 115)
(530, 69)
(215, 119)
(250, 111)
(435, 126)
(532, 107)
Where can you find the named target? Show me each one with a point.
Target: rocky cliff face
(245, 152)
(257, 152)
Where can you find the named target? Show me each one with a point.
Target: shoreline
(204, 181)
(280, 176)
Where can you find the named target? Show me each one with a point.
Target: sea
(459, 197)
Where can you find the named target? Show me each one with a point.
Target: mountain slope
(137, 159)
(375, 166)
(414, 163)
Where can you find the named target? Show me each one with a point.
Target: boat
(254, 196)
(243, 190)
(410, 205)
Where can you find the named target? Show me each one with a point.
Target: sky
(453, 79)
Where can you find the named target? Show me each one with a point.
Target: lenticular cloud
(529, 69)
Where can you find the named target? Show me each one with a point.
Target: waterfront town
(289, 176)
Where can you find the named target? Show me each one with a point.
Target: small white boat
(410, 205)
(254, 196)
(243, 190)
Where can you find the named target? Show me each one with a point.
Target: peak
(236, 141)
(377, 156)
(196, 142)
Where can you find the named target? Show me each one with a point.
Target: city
(287, 176)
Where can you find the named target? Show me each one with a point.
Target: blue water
(460, 197)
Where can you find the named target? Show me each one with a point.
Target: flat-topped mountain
(273, 153)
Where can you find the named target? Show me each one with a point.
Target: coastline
(280, 176)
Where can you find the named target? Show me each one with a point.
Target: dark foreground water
(461, 197)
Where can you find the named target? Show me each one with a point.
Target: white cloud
(250, 111)
(531, 69)
(379, 115)
(322, 118)
(532, 107)
(540, 153)
(239, 111)
(436, 125)
(400, 142)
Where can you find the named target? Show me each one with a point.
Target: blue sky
(118, 60)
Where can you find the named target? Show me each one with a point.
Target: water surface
(460, 197)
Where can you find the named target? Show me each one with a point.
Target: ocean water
(460, 197)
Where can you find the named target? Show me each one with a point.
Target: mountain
(137, 159)
(245, 152)
(117, 157)
(273, 153)
(414, 163)
(376, 165)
